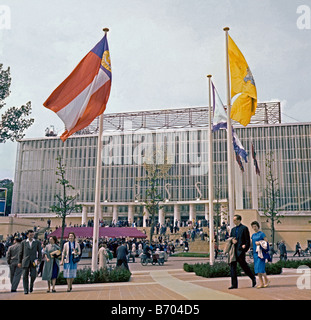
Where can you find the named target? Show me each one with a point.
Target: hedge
(222, 269)
(87, 276)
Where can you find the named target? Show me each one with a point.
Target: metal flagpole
(97, 195)
(210, 178)
(98, 189)
(229, 141)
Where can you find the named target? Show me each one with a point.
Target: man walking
(283, 251)
(241, 240)
(29, 257)
(122, 254)
(12, 259)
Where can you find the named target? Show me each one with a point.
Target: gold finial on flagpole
(209, 76)
(105, 30)
(226, 29)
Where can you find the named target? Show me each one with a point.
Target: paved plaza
(168, 283)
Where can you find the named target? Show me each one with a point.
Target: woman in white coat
(102, 256)
(71, 250)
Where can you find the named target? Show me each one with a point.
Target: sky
(161, 52)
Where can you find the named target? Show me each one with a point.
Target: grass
(191, 255)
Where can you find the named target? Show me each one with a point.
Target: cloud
(161, 52)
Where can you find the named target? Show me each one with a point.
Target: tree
(65, 202)
(272, 194)
(13, 121)
(217, 207)
(152, 197)
(155, 173)
(8, 184)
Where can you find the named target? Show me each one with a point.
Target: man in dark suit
(30, 256)
(241, 240)
(122, 254)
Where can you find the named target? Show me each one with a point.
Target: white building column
(161, 216)
(115, 213)
(206, 211)
(84, 215)
(101, 212)
(177, 215)
(145, 216)
(192, 212)
(130, 214)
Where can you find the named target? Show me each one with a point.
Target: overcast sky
(161, 52)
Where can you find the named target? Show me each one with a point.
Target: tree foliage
(272, 194)
(65, 202)
(155, 173)
(14, 120)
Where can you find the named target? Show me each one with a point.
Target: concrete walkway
(169, 284)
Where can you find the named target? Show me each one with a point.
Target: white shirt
(30, 242)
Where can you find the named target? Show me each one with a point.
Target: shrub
(294, 263)
(188, 267)
(119, 275)
(86, 275)
(222, 269)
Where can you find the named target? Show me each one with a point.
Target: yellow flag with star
(242, 82)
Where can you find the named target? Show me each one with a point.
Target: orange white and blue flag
(84, 94)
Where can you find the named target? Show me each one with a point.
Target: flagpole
(229, 140)
(210, 178)
(98, 189)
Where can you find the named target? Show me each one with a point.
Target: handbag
(56, 254)
(75, 258)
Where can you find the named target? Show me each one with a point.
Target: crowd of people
(29, 257)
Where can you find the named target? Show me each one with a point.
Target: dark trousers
(32, 270)
(15, 276)
(123, 262)
(244, 266)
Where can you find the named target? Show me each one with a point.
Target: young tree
(217, 207)
(65, 202)
(13, 121)
(156, 172)
(272, 194)
(153, 196)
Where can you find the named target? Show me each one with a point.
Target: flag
(83, 95)
(242, 82)
(220, 122)
(239, 161)
(255, 161)
(238, 147)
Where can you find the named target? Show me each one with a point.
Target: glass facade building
(181, 149)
